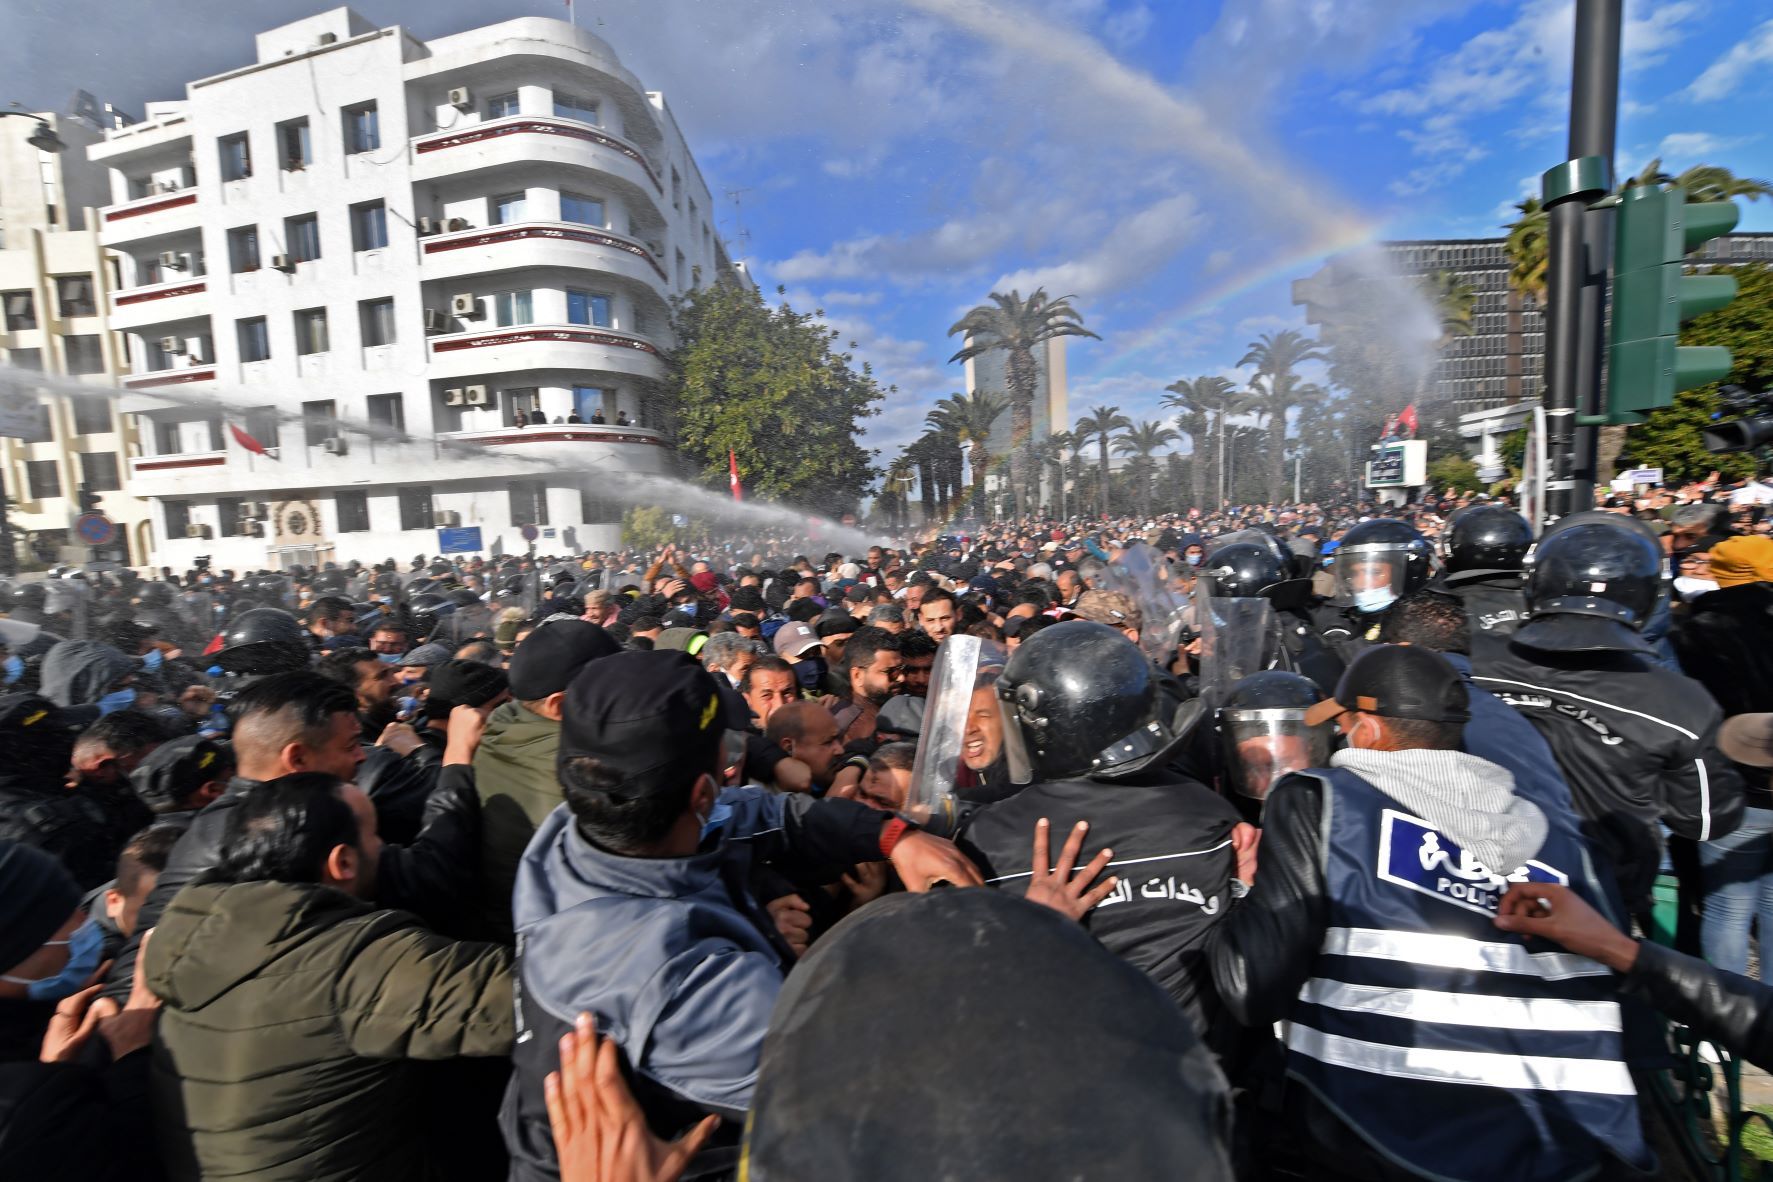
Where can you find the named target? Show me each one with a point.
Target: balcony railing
(158, 291)
(153, 465)
(554, 231)
(535, 125)
(542, 334)
(559, 433)
(170, 377)
(153, 203)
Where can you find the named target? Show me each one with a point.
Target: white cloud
(1744, 62)
(1138, 245)
(1125, 29)
(1694, 146)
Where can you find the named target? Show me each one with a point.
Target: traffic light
(88, 500)
(1652, 296)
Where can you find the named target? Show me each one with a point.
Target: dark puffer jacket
(292, 1014)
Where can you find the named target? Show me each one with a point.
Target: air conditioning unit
(258, 510)
(249, 529)
(329, 38)
(282, 262)
(449, 519)
(461, 98)
(465, 306)
(199, 531)
(452, 396)
(427, 227)
(474, 395)
(335, 445)
(459, 224)
(172, 344)
(436, 321)
(172, 260)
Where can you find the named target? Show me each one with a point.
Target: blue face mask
(117, 700)
(15, 668)
(1373, 599)
(152, 659)
(409, 706)
(717, 816)
(85, 947)
(1191, 559)
(389, 658)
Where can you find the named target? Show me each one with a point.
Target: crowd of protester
(1313, 840)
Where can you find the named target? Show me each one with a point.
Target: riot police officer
(262, 641)
(1251, 570)
(1636, 741)
(1263, 736)
(1084, 705)
(1486, 547)
(1377, 563)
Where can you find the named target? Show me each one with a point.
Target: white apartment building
(362, 236)
(55, 287)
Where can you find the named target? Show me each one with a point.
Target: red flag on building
(732, 467)
(248, 442)
(1407, 421)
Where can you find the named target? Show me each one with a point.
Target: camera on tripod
(1753, 430)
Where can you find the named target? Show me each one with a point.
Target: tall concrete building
(376, 288)
(1503, 360)
(56, 290)
(1052, 406)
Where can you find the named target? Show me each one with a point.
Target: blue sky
(1174, 165)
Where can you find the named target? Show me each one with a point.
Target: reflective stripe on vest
(1456, 1049)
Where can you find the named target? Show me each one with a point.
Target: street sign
(679, 520)
(459, 541)
(95, 529)
(1644, 475)
(530, 533)
(1491, 474)
(1403, 464)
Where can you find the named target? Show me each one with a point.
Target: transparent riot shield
(1142, 574)
(74, 597)
(1238, 637)
(931, 801)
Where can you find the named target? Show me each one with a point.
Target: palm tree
(1014, 326)
(1453, 300)
(1276, 356)
(1101, 424)
(901, 474)
(926, 454)
(968, 419)
(1203, 403)
(1703, 182)
(1143, 442)
(1057, 444)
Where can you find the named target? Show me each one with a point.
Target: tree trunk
(1277, 455)
(1198, 464)
(926, 479)
(1019, 374)
(979, 460)
(1609, 443)
(1104, 442)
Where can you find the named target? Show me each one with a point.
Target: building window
(236, 153)
(576, 207)
(512, 307)
(45, 479)
(529, 503)
(92, 416)
(594, 509)
(319, 422)
(415, 508)
(263, 424)
(255, 339)
(74, 293)
(86, 354)
(526, 400)
(363, 132)
(42, 429)
(388, 410)
(21, 310)
(676, 190)
(178, 517)
(369, 226)
(353, 512)
(243, 249)
(376, 318)
(98, 471)
(588, 403)
(227, 516)
(584, 308)
(294, 145)
(31, 359)
(509, 207)
(303, 235)
(310, 330)
(573, 106)
(501, 105)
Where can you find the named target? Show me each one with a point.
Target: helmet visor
(1261, 746)
(1371, 578)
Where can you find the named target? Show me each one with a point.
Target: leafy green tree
(768, 383)
(1204, 404)
(1014, 326)
(1100, 424)
(1670, 439)
(1278, 388)
(1456, 473)
(1142, 442)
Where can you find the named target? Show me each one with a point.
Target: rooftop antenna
(741, 235)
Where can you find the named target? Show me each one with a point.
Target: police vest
(1454, 1048)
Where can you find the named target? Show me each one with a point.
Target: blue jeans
(1738, 886)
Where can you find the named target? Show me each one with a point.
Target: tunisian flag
(248, 442)
(732, 467)
(1406, 421)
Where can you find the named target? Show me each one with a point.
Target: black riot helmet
(154, 595)
(1250, 537)
(424, 611)
(263, 640)
(1487, 537)
(1597, 569)
(1242, 571)
(1263, 732)
(1086, 702)
(1381, 561)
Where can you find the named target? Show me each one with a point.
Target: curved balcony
(541, 244)
(559, 433)
(544, 346)
(159, 303)
(150, 217)
(589, 448)
(528, 139)
(141, 387)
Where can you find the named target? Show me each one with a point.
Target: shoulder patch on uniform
(1415, 855)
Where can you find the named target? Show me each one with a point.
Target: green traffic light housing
(1653, 296)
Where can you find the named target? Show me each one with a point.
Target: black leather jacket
(1733, 1011)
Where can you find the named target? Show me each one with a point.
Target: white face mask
(1374, 599)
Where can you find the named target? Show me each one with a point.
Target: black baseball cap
(1398, 681)
(462, 683)
(175, 769)
(652, 716)
(551, 656)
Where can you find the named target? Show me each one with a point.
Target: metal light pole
(1580, 248)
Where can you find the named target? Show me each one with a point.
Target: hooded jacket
(80, 672)
(1725, 643)
(291, 1011)
(514, 773)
